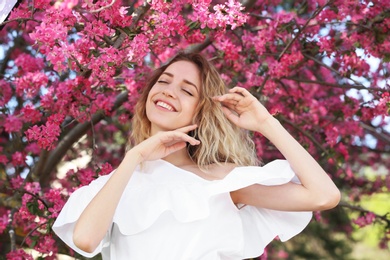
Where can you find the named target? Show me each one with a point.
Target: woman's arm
(96, 219)
(316, 192)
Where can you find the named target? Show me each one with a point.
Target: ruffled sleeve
(78, 201)
(261, 226)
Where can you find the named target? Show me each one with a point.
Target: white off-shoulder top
(168, 213)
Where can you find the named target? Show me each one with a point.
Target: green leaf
(386, 57)
(33, 207)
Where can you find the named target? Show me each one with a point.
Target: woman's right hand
(164, 143)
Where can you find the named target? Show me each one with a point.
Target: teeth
(165, 105)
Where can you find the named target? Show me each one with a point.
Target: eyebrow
(185, 81)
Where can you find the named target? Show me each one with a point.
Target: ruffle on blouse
(261, 226)
(161, 187)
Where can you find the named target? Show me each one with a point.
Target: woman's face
(172, 101)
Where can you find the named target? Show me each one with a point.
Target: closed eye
(162, 82)
(188, 92)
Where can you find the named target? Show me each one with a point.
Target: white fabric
(5, 8)
(168, 213)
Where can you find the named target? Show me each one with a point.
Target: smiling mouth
(165, 105)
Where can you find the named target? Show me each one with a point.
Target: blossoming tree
(71, 72)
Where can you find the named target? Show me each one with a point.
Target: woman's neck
(179, 158)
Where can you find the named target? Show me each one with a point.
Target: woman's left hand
(243, 109)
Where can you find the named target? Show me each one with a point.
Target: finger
(175, 136)
(239, 90)
(175, 147)
(228, 97)
(233, 117)
(229, 103)
(187, 129)
(231, 106)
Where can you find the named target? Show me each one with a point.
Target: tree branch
(343, 86)
(248, 4)
(73, 136)
(199, 47)
(103, 7)
(282, 118)
(360, 209)
(19, 20)
(331, 69)
(375, 133)
(138, 14)
(316, 12)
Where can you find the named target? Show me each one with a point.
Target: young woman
(189, 187)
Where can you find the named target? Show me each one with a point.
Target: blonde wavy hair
(220, 140)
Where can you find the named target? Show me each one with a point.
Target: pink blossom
(317, 216)
(58, 58)
(19, 254)
(30, 83)
(4, 221)
(54, 197)
(123, 11)
(365, 219)
(138, 49)
(352, 62)
(282, 254)
(195, 36)
(30, 114)
(5, 92)
(3, 159)
(41, 4)
(85, 176)
(332, 135)
(326, 45)
(66, 5)
(228, 14)
(383, 107)
(28, 63)
(45, 135)
(112, 14)
(46, 245)
(342, 149)
(231, 51)
(16, 182)
(13, 124)
(327, 15)
(105, 169)
(50, 34)
(33, 187)
(33, 148)
(18, 159)
(23, 11)
(97, 30)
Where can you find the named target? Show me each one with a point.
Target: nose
(169, 91)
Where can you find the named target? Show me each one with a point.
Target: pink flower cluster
(228, 14)
(365, 219)
(19, 254)
(4, 221)
(46, 135)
